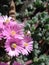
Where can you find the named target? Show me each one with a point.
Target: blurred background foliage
(35, 14)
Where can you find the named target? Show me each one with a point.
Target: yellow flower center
(14, 45)
(13, 33)
(25, 44)
(7, 20)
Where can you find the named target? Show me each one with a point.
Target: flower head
(9, 28)
(2, 26)
(6, 19)
(13, 30)
(13, 46)
(27, 45)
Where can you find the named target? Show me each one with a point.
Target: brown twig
(41, 42)
(12, 11)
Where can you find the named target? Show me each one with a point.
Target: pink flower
(16, 63)
(12, 46)
(13, 30)
(27, 45)
(2, 63)
(5, 19)
(9, 28)
(2, 26)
